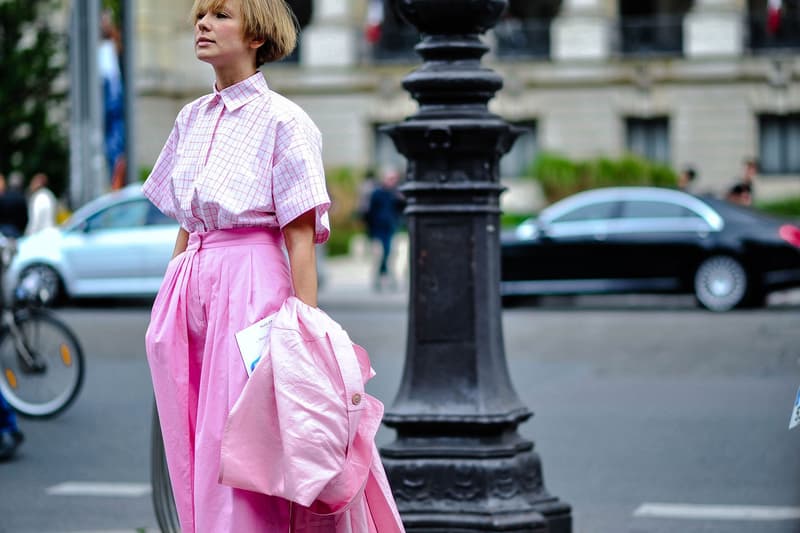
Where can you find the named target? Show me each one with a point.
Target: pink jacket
(303, 429)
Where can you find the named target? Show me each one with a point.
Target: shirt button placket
(219, 109)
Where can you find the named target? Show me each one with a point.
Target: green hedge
(343, 186)
(787, 207)
(560, 176)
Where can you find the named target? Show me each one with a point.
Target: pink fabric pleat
(304, 429)
(225, 281)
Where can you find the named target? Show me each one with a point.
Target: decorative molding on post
(714, 28)
(458, 463)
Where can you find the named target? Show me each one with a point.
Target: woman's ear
(257, 43)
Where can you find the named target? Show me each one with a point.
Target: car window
(598, 211)
(127, 215)
(157, 218)
(654, 209)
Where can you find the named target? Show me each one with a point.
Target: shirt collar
(241, 93)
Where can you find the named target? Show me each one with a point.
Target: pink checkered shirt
(241, 157)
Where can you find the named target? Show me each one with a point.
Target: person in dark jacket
(383, 218)
(10, 435)
(13, 207)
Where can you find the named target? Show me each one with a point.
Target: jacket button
(356, 399)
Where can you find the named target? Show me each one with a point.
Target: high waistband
(235, 237)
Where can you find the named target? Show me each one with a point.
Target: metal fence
(396, 45)
(650, 35)
(523, 38)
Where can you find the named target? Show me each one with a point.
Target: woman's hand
(299, 237)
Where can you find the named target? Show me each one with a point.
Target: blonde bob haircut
(272, 21)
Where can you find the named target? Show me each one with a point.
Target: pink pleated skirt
(224, 281)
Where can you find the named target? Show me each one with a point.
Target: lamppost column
(458, 463)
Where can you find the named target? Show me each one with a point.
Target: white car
(117, 245)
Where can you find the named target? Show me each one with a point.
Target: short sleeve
(298, 177)
(158, 186)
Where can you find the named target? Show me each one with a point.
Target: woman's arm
(299, 237)
(180, 242)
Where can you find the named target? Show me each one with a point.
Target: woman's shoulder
(289, 114)
(190, 109)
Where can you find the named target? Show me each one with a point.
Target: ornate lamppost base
(455, 492)
(458, 464)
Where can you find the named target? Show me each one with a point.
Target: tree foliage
(32, 58)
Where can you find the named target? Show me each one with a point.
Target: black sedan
(652, 240)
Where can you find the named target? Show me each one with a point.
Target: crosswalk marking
(716, 512)
(114, 490)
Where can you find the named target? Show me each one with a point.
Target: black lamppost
(458, 463)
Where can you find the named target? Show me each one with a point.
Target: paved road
(636, 407)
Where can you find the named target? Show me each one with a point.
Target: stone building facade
(701, 82)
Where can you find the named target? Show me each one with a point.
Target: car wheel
(50, 287)
(720, 283)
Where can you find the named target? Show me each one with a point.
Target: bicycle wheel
(42, 364)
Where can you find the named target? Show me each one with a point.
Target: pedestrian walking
(739, 194)
(108, 62)
(242, 173)
(10, 435)
(747, 181)
(13, 206)
(42, 205)
(383, 218)
(687, 179)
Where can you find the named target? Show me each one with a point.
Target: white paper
(252, 341)
(794, 421)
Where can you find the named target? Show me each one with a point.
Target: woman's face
(219, 38)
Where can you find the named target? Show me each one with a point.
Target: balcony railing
(785, 36)
(651, 35)
(523, 38)
(396, 45)
(516, 39)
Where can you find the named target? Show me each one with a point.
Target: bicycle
(41, 360)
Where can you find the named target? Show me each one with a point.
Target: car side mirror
(542, 229)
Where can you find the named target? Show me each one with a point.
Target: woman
(242, 173)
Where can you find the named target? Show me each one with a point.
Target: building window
(648, 138)
(524, 30)
(652, 27)
(519, 159)
(779, 144)
(773, 29)
(388, 37)
(303, 11)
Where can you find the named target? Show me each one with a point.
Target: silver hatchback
(117, 245)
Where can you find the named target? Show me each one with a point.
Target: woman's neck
(231, 76)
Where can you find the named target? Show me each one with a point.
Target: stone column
(714, 28)
(582, 30)
(165, 58)
(330, 40)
